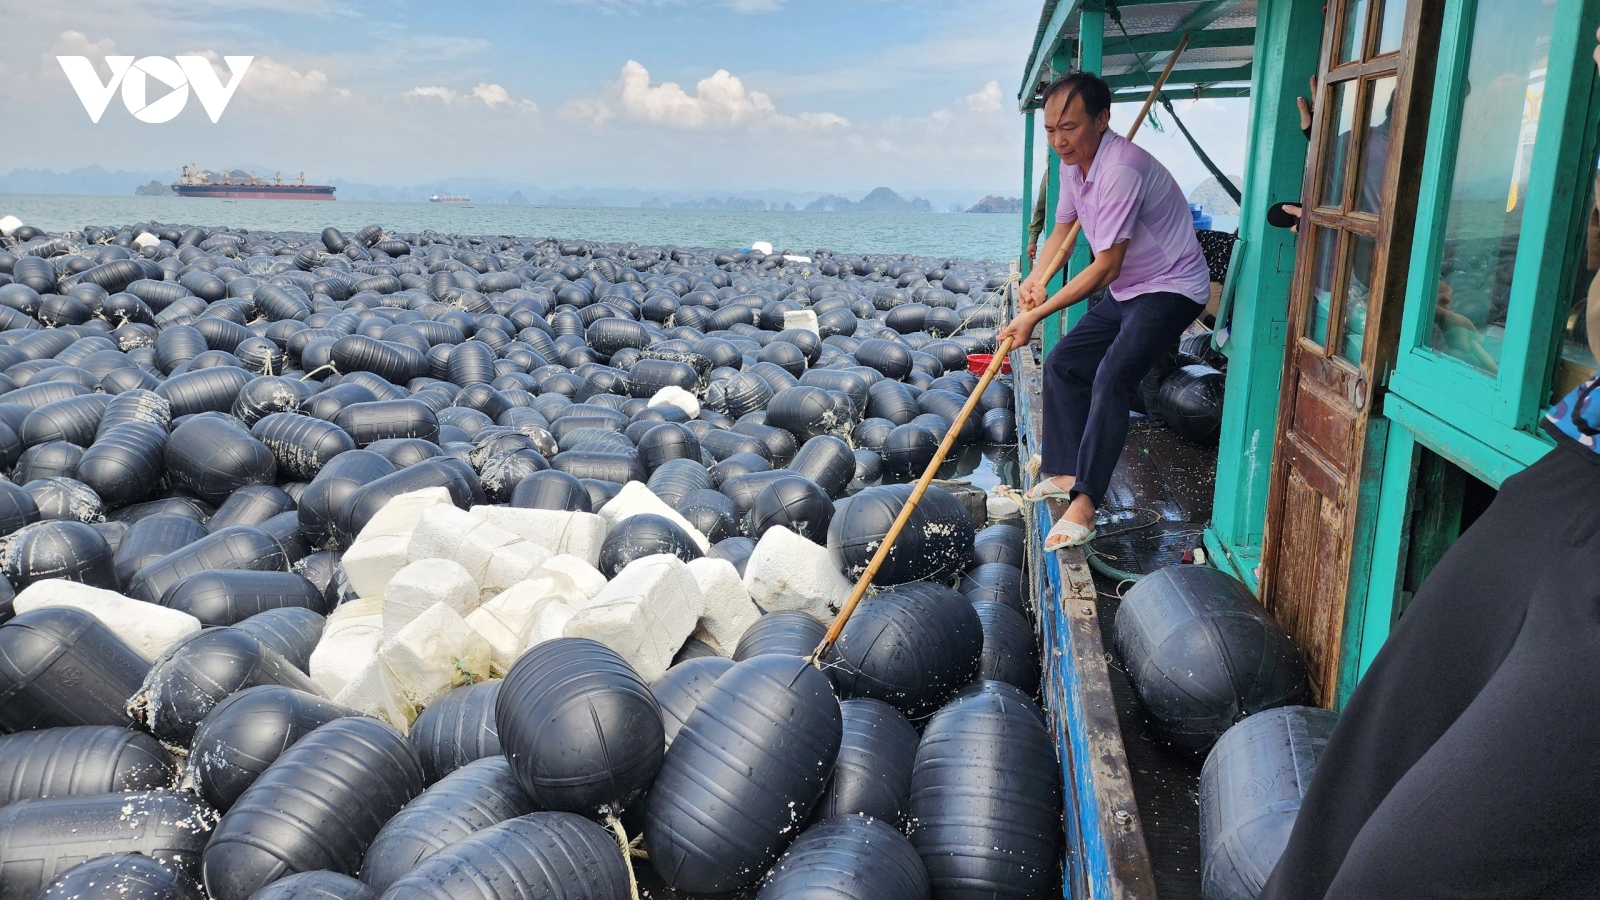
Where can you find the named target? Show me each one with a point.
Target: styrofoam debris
(578, 533)
(672, 395)
(506, 621)
(379, 551)
(495, 557)
(420, 585)
(550, 623)
(636, 499)
(801, 318)
(786, 571)
(374, 691)
(645, 613)
(435, 652)
(350, 639)
(728, 607)
(1002, 508)
(581, 571)
(146, 239)
(146, 627)
(9, 225)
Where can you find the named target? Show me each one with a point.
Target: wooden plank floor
(1157, 506)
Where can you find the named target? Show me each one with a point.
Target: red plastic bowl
(978, 363)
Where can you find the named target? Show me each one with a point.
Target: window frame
(1503, 410)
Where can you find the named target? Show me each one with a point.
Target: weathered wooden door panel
(1359, 191)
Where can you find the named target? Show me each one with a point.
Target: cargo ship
(449, 198)
(196, 182)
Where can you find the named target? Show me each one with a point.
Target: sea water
(967, 235)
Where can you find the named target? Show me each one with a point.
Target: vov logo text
(178, 74)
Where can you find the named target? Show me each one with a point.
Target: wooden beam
(1204, 93)
(1044, 50)
(1182, 78)
(1217, 38)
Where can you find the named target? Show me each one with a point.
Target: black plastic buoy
(791, 632)
(60, 666)
(872, 775)
(195, 674)
(1202, 654)
(457, 728)
(936, 544)
(742, 775)
(124, 876)
(912, 648)
(41, 839)
(848, 857)
(544, 854)
(581, 729)
(246, 732)
(86, 759)
(682, 688)
(318, 806)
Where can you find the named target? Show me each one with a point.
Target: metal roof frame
(1217, 62)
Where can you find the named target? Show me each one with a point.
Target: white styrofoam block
(422, 584)
(379, 551)
(728, 607)
(578, 533)
(581, 571)
(511, 564)
(444, 532)
(801, 318)
(434, 652)
(146, 627)
(399, 516)
(636, 499)
(672, 395)
(645, 613)
(550, 623)
(369, 565)
(9, 225)
(506, 620)
(350, 639)
(786, 571)
(373, 691)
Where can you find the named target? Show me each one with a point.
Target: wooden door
(1344, 311)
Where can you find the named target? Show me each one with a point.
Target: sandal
(1046, 489)
(1067, 533)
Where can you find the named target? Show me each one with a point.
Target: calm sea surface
(968, 235)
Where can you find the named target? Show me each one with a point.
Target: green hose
(1098, 563)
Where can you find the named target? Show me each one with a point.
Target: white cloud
(986, 99)
(493, 96)
(76, 43)
(720, 102)
(635, 7)
(272, 81)
(435, 92)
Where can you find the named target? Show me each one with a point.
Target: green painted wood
(1212, 93)
(1288, 43)
(1555, 215)
(1182, 77)
(1046, 46)
(1215, 38)
(1025, 264)
(1363, 551)
(1091, 58)
(1465, 437)
(1060, 65)
(1391, 533)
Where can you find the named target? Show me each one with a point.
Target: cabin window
(1574, 362)
(1502, 97)
(1393, 26)
(1324, 266)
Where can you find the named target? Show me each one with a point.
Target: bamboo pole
(882, 553)
(900, 521)
(1060, 258)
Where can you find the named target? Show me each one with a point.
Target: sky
(671, 95)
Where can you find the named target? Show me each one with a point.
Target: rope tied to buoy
(615, 824)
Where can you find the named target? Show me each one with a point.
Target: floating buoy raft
(418, 565)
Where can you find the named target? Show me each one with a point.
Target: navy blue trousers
(1090, 378)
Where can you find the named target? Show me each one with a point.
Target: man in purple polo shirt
(1138, 224)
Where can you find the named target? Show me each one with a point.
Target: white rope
(622, 841)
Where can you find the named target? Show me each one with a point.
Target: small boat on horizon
(449, 198)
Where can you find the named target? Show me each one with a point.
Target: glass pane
(1322, 281)
(1363, 251)
(1375, 148)
(1499, 121)
(1355, 30)
(1393, 26)
(1575, 362)
(1337, 153)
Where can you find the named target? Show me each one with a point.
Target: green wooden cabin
(1388, 368)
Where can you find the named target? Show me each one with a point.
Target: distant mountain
(86, 180)
(516, 199)
(996, 204)
(879, 200)
(153, 189)
(1213, 200)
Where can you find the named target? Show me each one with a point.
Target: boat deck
(1132, 811)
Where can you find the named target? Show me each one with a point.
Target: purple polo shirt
(1129, 196)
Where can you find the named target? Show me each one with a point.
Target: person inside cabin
(1467, 760)
(1138, 225)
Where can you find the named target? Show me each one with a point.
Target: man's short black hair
(1087, 86)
